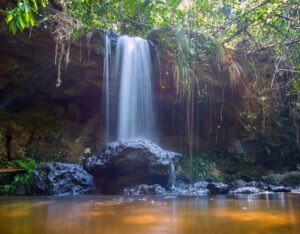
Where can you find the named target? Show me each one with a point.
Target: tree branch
(275, 45)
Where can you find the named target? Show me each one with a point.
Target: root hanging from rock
(64, 26)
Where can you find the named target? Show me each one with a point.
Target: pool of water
(208, 215)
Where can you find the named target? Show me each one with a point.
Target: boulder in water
(56, 178)
(125, 164)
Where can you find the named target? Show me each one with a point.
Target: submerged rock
(55, 178)
(144, 189)
(124, 164)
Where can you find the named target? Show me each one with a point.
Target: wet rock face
(120, 165)
(60, 179)
(144, 189)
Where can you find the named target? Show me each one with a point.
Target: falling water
(133, 66)
(106, 73)
(172, 178)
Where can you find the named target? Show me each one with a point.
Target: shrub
(20, 180)
(199, 168)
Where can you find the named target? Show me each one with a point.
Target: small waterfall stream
(106, 77)
(172, 178)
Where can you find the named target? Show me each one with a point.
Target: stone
(125, 164)
(218, 188)
(144, 189)
(239, 183)
(295, 190)
(56, 178)
(245, 190)
(257, 184)
(190, 189)
(279, 189)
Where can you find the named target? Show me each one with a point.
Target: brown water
(205, 215)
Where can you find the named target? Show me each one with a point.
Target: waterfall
(135, 109)
(106, 75)
(172, 178)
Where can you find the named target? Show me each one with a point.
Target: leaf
(13, 27)
(21, 23)
(35, 5)
(31, 20)
(26, 15)
(44, 3)
(9, 17)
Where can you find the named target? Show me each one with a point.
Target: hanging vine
(64, 26)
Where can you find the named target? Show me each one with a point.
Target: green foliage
(192, 49)
(24, 14)
(199, 168)
(20, 180)
(249, 121)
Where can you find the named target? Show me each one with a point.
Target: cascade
(172, 178)
(135, 105)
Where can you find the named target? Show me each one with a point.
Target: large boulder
(126, 164)
(55, 178)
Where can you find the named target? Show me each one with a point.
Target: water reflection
(266, 214)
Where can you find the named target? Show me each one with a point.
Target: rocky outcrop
(144, 189)
(60, 179)
(120, 165)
